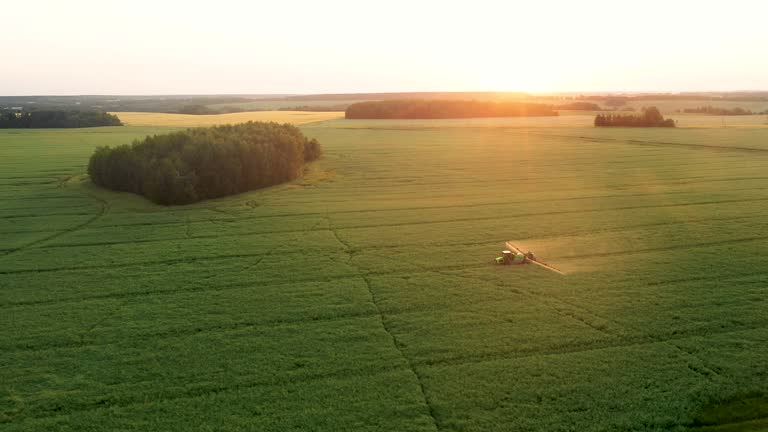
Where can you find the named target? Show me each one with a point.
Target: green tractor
(509, 257)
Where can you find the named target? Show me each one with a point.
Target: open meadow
(364, 297)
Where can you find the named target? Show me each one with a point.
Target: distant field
(580, 120)
(188, 120)
(268, 104)
(668, 106)
(364, 298)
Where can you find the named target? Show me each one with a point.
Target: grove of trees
(649, 117)
(57, 119)
(436, 108)
(201, 163)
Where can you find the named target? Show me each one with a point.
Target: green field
(364, 297)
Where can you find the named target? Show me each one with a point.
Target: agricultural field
(194, 120)
(364, 296)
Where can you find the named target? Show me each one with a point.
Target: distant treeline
(315, 108)
(650, 117)
(579, 106)
(436, 109)
(201, 163)
(720, 111)
(166, 104)
(57, 119)
(410, 96)
(757, 96)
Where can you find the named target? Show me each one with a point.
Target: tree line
(201, 163)
(436, 109)
(57, 119)
(649, 117)
(708, 109)
(579, 106)
(315, 108)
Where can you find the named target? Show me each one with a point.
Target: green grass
(364, 298)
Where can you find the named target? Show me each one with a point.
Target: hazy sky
(329, 46)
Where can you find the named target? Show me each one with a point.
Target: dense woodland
(57, 119)
(435, 109)
(201, 163)
(720, 111)
(650, 117)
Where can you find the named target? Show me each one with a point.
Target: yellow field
(566, 119)
(188, 120)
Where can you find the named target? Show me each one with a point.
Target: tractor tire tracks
(103, 209)
(382, 319)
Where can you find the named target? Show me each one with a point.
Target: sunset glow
(233, 46)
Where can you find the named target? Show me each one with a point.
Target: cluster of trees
(57, 119)
(201, 163)
(435, 109)
(720, 111)
(650, 117)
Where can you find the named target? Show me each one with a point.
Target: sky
(54, 47)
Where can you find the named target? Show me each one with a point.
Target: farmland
(363, 297)
(186, 120)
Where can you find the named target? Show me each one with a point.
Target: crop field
(364, 296)
(189, 120)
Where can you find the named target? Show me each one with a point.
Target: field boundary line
(31, 215)
(225, 257)
(237, 217)
(665, 248)
(213, 389)
(403, 245)
(434, 222)
(708, 373)
(576, 349)
(409, 363)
